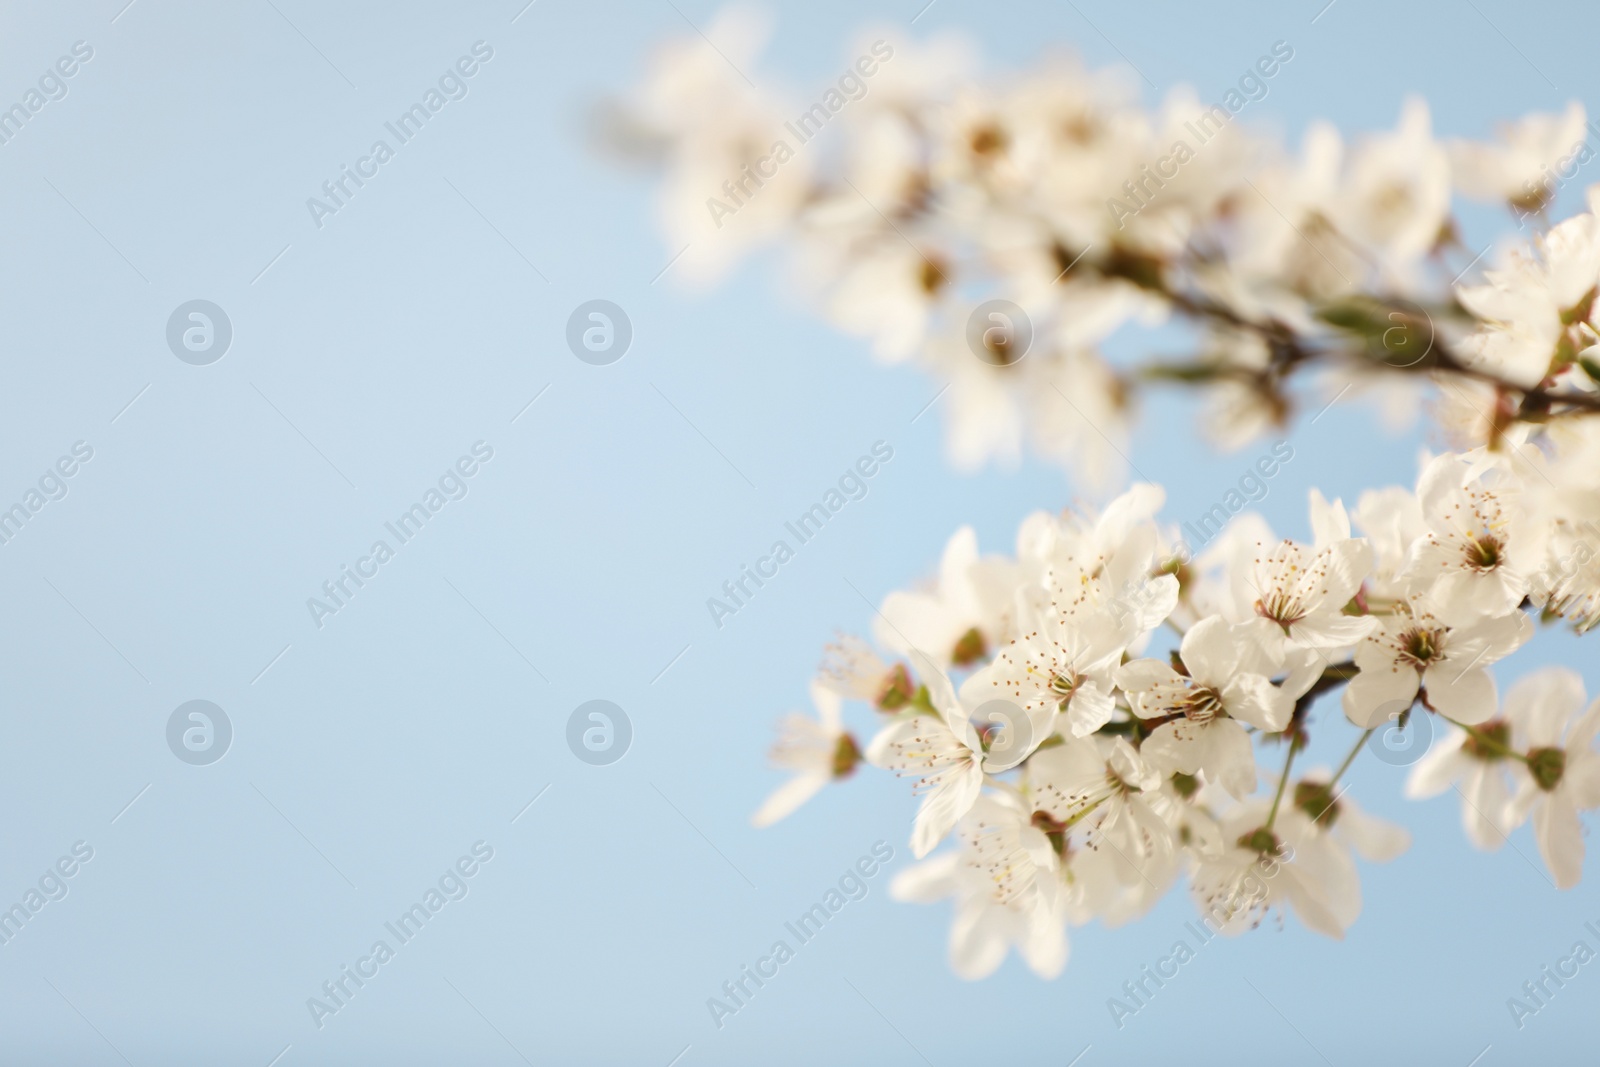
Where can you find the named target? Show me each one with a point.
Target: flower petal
(827, 705)
(924, 883)
(1378, 694)
(787, 797)
(1255, 700)
(1542, 703)
(1560, 836)
(977, 941)
(1332, 630)
(942, 808)
(1440, 766)
(1089, 709)
(1466, 696)
(1373, 839)
(941, 694)
(1486, 808)
(1211, 650)
(1044, 945)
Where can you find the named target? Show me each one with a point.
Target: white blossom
(1560, 773)
(814, 750)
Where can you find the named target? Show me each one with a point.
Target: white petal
(1323, 867)
(941, 694)
(1176, 746)
(1470, 595)
(1373, 839)
(880, 749)
(1255, 700)
(1441, 765)
(1582, 778)
(1348, 562)
(1486, 813)
(1316, 904)
(1542, 703)
(1439, 486)
(1305, 666)
(1220, 748)
(1581, 737)
(1211, 650)
(1231, 761)
(960, 553)
(1378, 694)
(977, 942)
(943, 807)
(787, 797)
(827, 705)
(1491, 640)
(1332, 629)
(1329, 522)
(1466, 696)
(1560, 836)
(1044, 946)
(1089, 709)
(1150, 601)
(1143, 675)
(924, 883)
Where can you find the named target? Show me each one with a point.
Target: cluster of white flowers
(1082, 780)
(933, 191)
(1078, 778)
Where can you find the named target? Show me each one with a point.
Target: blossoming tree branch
(1063, 775)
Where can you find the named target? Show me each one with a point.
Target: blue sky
(371, 754)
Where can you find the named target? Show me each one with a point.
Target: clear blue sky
(369, 755)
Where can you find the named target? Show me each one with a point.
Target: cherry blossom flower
(1561, 772)
(1478, 767)
(1101, 788)
(1417, 649)
(1063, 661)
(957, 621)
(1535, 300)
(816, 751)
(942, 750)
(1302, 591)
(1468, 561)
(1106, 560)
(1391, 521)
(1332, 812)
(1007, 895)
(1517, 167)
(1567, 584)
(851, 668)
(1227, 685)
(1291, 865)
(1396, 193)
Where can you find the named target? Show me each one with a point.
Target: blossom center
(1064, 685)
(1261, 841)
(1281, 607)
(1422, 646)
(987, 140)
(1317, 800)
(1484, 553)
(1547, 765)
(1201, 705)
